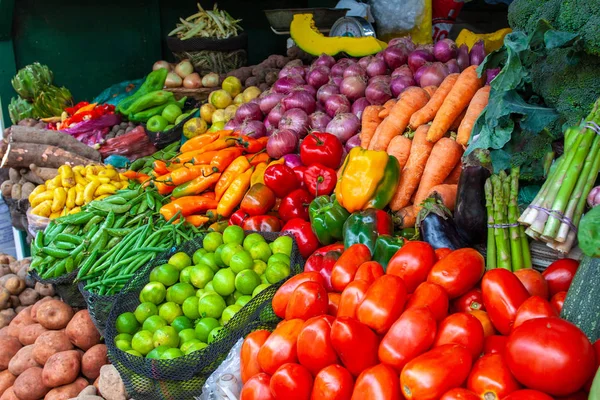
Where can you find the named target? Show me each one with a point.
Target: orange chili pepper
(186, 174)
(187, 205)
(219, 144)
(252, 145)
(210, 195)
(160, 167)
(194, 157)
(200, 141)
(259, 174)
(89, 107)
(235, 169)
(225, 157)
(163, 184)
(258, 158)
(196, 185)
(234, 194)
(197, 220)
(136, 176)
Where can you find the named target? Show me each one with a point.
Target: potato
(82, 332)
(66, 392)
(4, 299)
(37, 305)
(44, 289)
(29, 385)
(14, 302)
(29, 334)
(4, 331)
(9, 394)
(4, 269)
(93, 360)
(6, 380)
(50, 343)
(62, 368)
(22, 361)
(28, 297)
(20, 308)
(10, 346)
(15, 285)
(23, 318)
(54, 314)
(6, 277)
(6, 189)
(5, 317)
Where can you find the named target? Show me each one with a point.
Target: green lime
(169, 311)
(218, 258)
(224, 282)
(204, 326)
(212, 336)
(212, 240)
(186, 335)
(157, 352)
(283, 244)
(198, 255)
(182, 322)
(144, 311)
(243, 300)
(233, 234)
(200, 275)
(276, 272)
(252, 239)
(210, 259)
(154, 322)
(134, 353)
(209, 287)
(237, 294)
(259, 266)
(229, 251)
(142, 342)
(180, 260)
(153, 292)
(186, 345)
(229, 300)
(123, 341)
(246, 281)
(184, 275)
(211, 305)
(241, 261)
(263, 279)
(170, 354)
(127, 323)
(165, 274)
(194, 347)
(190, 307)
(179, 292)
(229, 312)
(260, 251)
(167, 336)
(200, 293)
(279, 257)
(260, 288)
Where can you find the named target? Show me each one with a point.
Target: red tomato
(315, 351)
(291, 382)
(551, 355)
(334, 303)
(557, 301)
(280, 347)
(333, 383)
(597, 349)
(369, 271)
(379, 382)
(459, 394)
(411, 335)
(430, 375)
(534, 282)
(503, 294)
(283, 294)
(463, 329)
(257, 388)
(458, 272)
(307, 301)
(431, 296)
(486, 322)
(351, 297)
(490, 378)
(472, 300)
(412, 263)
(527, 395)
(383, 303)
(355, 344)
(442, 252)
(559, 275)
(494, 344)
(533, 307)
(249, 353)
(345, 267)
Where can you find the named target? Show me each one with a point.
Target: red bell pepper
(258, 200)
(323, 260)
(295, 205)
(262, 223)
(73, 110)
(299, 171)
(314, 261)
(321, 147)
(305, 238)
(238, 218)
(320, 180)
(281, 179)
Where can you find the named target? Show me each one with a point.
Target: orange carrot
(478, 103)
(370, 122)
(447, 194)
(412, 171)
(467, 84)
(454, 175)
(408, 216)
(430, 90)
(399, 147)
(444, 156)
(411, 100)
(386, 108)
(457, 121)
(427, 113)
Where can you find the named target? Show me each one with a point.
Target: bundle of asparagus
(507, 245)
(554, 214)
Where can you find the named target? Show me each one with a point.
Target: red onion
(433, 74)
(353, 142)
(282, 142)
(403, 70)
(318, 121)
(400, 83)
(344, 126)
(255, 129)
(453, 67)
(339, 68)
(307, 88)
(381, 78)
(292, 160)
(320, 107)
(491, 74)
(275, 114)
(444, 50)
(318, 76)
(378, 93)
(295, 120)
(354, 70)
(299, 99)
(325, 60)
(347, 60)
(477, 53)
(406, 41)
(462, 57)
(395, 56)
(379, 56)
(248, 111)
(291, 70)
(419, 72)
(363, 62)
(418, 58)
(376, 67)
(269, 101)
(359, 106)
(268, 126)
(327, 90)
(593, 198)
(337, 104)
(353, 87)
(337, 80)
(286, 84)
(232, 124)
(428, 47)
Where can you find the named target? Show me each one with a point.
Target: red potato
(29, 334)
(22, 361)
(50, 343)
(9, 394)
(82, 332)
(6, 380)
(10, 346)
(4, 331)
(23, 318)
(37, 305)
(54, 314)
(29, 385)
(62, 368)
(93, 360)
(66, 392)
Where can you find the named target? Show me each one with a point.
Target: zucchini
(595, 389)
(582, 305)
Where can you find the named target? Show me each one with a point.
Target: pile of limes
(189, 300)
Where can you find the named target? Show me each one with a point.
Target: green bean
(65, 237)
(107, 207)
(115, 199)
(49, 238)
(96, 219)
(87, 265)
(54, 252)
(64, 245)
(69, 264)
(113, 241)
(75, 219)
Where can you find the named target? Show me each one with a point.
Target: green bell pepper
(385, 247)
(365, 227)
(149, 100)
(327, 218)
(154, 81)
(387, 186)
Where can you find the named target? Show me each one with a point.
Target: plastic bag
(118, 92)
(401, 18)
(132, 145)
(226, 382)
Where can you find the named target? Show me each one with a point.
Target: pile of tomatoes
(434, 325)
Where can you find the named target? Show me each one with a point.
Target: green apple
(157, 124)
(168, 127)
(181, 118)
(171, 112)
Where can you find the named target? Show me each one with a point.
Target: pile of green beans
(144, 164)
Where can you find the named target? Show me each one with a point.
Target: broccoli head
(523, 15)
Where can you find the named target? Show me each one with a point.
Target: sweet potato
(22, 361)
(66, 392)
(82, 332)
(9, 394)
(29, 385)
(62, 368)
(93, 360)
(37, 305)
(54, 314)
(10, 346)
(6, 380)
(23, 318)
(50, 343)
(29, 334)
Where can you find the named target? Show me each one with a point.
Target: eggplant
(470, 214)
(436, 225)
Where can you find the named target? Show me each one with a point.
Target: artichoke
(20, 109)
(51, 101)
(30, 79)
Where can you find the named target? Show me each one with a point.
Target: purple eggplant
(436, 225)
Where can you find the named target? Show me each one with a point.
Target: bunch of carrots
(426, 129)
(209, 177)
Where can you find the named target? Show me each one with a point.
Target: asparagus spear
(502, 245)
(491, 240)
(525, 248)
(516, 252)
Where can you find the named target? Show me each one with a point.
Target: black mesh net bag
(183, 377)
(65, 287)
